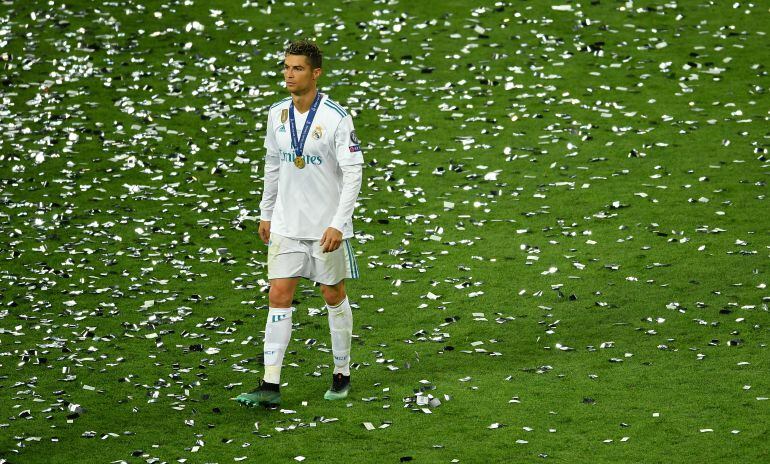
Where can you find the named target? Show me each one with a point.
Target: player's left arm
(350, 160)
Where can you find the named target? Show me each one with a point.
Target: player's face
(299, 75)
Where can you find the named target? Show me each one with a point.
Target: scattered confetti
(589, 199)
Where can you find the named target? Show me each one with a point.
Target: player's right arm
(264, 231)
(270, 190)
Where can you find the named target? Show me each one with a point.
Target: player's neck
(302, 102)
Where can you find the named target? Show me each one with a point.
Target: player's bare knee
(280, 297)
(282, 289)
(333, 294)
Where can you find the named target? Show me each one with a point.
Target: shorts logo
(354, 138)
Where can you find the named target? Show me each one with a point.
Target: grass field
(563, 232)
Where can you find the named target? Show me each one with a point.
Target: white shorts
(288, 258)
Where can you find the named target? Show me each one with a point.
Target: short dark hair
(306, 48)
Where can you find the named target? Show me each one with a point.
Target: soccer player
(312, 179)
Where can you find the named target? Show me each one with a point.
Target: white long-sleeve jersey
(302, 203)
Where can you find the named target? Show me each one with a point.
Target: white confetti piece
(194, 26)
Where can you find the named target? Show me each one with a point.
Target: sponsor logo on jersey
(282, 129)
(289, 157)
(354, 138)
(354, 148)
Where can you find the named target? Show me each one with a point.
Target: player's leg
(340, 325)
(341, 328)
(330, 270)
(278, 326)
(277, 337)
(286, 260)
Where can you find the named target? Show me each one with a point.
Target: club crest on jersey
(354, 138)
(284, 115)
(318, 132)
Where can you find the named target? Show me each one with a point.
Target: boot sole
(332, 396)
(251, 404)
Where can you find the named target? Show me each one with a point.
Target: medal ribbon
(299, 146)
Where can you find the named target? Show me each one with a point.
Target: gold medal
(299, 162)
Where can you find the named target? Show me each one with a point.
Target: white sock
(341, 328)
(277, 336)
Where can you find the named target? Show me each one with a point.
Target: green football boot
(266, 394)
(339, 389)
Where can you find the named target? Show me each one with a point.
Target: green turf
(543, 167)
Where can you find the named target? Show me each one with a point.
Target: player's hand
(331, 239)
(264, 231)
